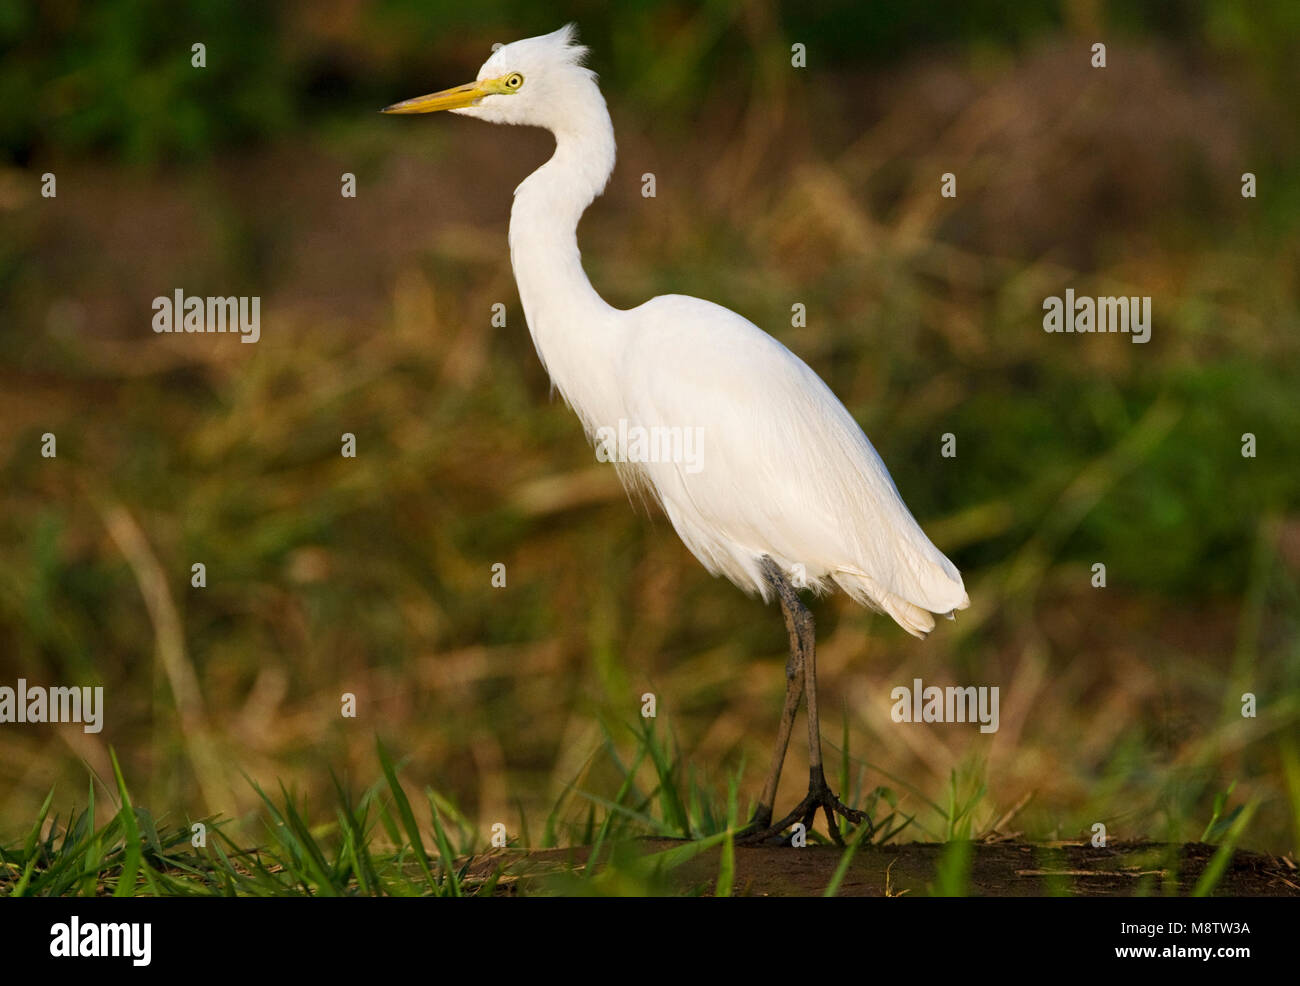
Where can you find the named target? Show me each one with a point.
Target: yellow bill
(457, 97)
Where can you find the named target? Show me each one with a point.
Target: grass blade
(406, 815)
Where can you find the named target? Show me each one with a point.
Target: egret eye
(514, 80)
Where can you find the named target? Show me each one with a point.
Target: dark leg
(794, 675)
(801, 672)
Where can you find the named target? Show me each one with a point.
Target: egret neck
(577, 335)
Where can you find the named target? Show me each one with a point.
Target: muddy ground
(1007, 869)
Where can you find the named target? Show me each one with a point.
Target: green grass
(374, 845)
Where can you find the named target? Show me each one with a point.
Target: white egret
(789, 493)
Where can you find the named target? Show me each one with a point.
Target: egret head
(536, 82)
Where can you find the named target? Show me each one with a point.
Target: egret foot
(758, 829)
(820, 797)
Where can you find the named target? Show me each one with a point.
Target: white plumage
(787, 471)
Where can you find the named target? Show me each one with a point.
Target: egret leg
(801, 674)
(794, 687)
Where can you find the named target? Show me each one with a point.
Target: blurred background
(775, 185)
